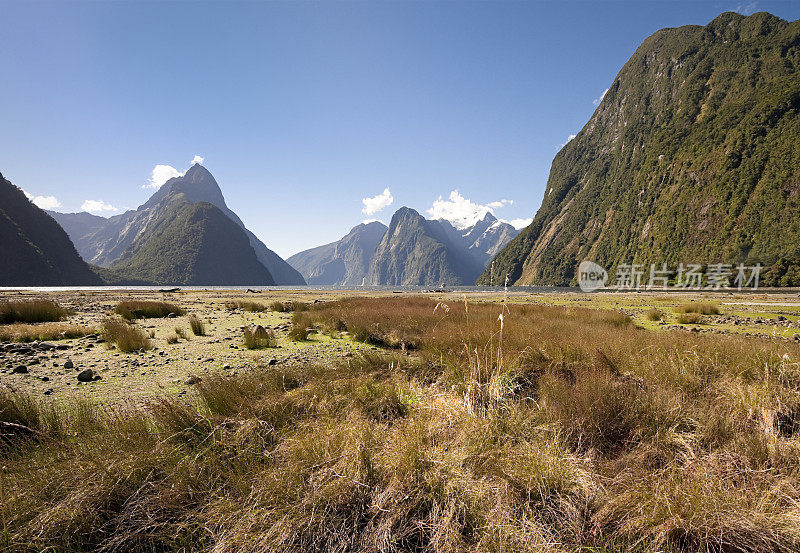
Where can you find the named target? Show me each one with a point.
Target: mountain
(690, 157)
(192, 244)
(105, 245)
(415, 251)
(483, 239)
(34, 249)
(343, 263)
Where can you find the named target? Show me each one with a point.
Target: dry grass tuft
(260, 338)
(198, 327)
(31, 311)
(45, 331)
(127, 337)
(702, 308)
(654, 314)
(140, 309)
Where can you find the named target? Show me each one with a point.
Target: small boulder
(86, 375)
(21, 369)
(68, 364)
(192, 380)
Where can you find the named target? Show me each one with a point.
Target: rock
(68, 364)
(192, 380)
(86, 375)
(45, 379)
(272, 362)
(226, 367)
(20, 369)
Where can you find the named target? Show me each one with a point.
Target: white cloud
(569, 138)
(599, 99)
(746, 8)
(97, 206)
(368, 221)
(197, 159)
(44, 202)
(520, 223)
(462, 212)
(160, 175)
(376, 203)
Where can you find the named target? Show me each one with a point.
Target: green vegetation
(654, 315)
(126, 337)
(45, 331)
(260, 338)
(690, 157)
(31, 311)
(198, 327)
(140, 309)
(552, 429)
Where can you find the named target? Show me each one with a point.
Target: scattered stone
(192, 380)
(86, 375)
(226, 367)
(45, 379)
(20, 369)
(68, 364)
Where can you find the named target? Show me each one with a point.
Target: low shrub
(278, 307)
(126, 337)
(689, 318)
(172, 339)
(140, 309)
(252, 306)
(198, 327)
(654, 314)
(31, 311)
(181, 332)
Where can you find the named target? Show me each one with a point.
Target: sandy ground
(166, 369)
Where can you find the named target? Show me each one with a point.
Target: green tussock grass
(140, 309)
(701, 308)
(260, 338)
(568, 429)
(654, 314)
(252, 306)
(31, 311)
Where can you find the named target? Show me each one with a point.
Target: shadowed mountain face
(34, 249)
(192, 244)
(690, 157)
(107, 244)
(343, 263)
(415, 251)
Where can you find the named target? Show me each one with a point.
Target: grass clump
(288, 306)
(140, 309)
(260, 338)
(125, 336)
(47, 331)
(300, 328)
(701, 308)
(31, 311)
(172, 339)
(181, 332)
(251, 306)
(689, 318)
(198, 327)
(654, 314)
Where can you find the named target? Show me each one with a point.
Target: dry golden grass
(198, 327)
(125, 336)
(44, 331)
(31, 311)
(549, 429)
(141, 309)
(701, 308)
(260, 338)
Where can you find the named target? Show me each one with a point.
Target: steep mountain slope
(104, 245)
(343, 263)
(690, 157)
(192, 244)
(81, 225)
(415, 251)
(34, 250)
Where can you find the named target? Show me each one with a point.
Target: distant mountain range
(691, 157)
(410, 251)
(184, 234)
(34, 249)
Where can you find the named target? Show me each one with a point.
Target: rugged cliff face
(34, 249)
(415, 251)
(691, 157)
(343, 263)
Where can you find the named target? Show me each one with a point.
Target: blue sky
(302, 110)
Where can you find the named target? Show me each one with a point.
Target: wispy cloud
(746, 8)
(98, 206)
(44, 202)
(520, 223)
(376, 203)
(599, 99)
(569, 138)
(463, 212)
(162, 173)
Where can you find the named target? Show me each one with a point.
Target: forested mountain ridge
(692, 156)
